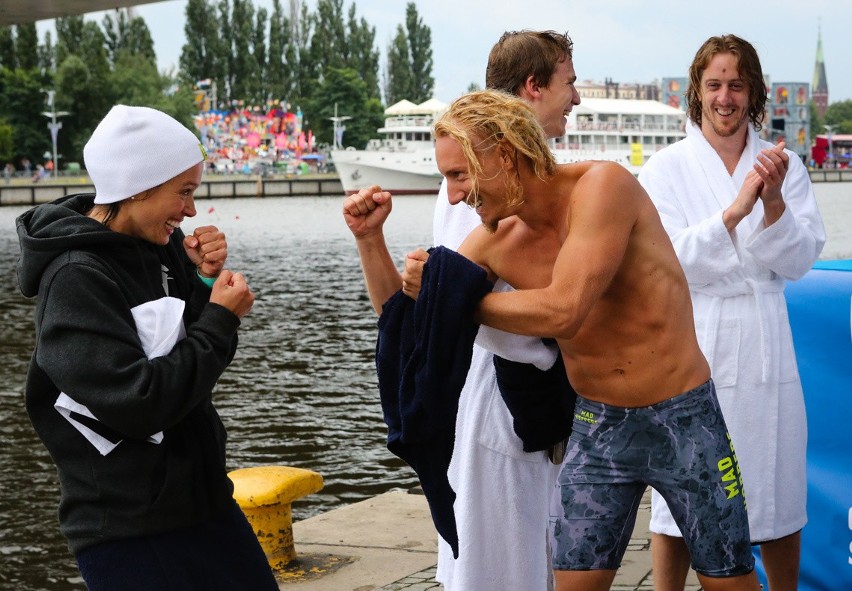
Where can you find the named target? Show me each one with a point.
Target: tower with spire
(819, 88)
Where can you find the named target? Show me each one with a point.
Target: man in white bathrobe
(502, 492)
(743, 219)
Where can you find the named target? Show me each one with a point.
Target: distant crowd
(27, 171)
(255, 139)
(239, 140)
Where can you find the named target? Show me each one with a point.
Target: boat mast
(339, 128)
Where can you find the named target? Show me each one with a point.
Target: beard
(728, 130)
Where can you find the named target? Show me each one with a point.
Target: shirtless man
(594, 268)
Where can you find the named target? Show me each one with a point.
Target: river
(302, 388)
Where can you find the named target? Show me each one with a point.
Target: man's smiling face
(724, 98)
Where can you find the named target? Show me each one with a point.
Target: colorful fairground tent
(258, 139)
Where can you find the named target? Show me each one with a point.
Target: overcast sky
(626, 40)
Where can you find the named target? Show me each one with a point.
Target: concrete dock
(388, 543)
(21, 192)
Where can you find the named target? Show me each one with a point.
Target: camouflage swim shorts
(681, 448)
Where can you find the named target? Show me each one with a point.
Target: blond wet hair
(488, 120)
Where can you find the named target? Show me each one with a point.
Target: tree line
(312, 60)
(323, 62)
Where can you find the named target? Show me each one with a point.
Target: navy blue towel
(423, 355)
(541, 402)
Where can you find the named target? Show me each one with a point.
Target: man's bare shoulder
(602, 185)
(605, 175)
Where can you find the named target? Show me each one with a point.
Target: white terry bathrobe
(502, 501)
(737, 285)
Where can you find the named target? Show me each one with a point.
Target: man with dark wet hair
(743, 219)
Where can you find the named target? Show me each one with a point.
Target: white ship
(402, 161)
(626, 131)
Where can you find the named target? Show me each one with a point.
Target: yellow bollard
(264, 494)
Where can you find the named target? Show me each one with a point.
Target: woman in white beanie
(135, 322)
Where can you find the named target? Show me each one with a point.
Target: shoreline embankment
(20, 192)
(25, 192)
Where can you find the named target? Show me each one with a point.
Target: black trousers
(220, 555)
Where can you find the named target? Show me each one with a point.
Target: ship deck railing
(616, 128)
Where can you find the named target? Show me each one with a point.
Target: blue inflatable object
(819, 305)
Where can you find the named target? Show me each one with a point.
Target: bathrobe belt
(713, 314)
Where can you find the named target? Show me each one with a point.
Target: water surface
(302, 388)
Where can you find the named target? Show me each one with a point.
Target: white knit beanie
(136, 148)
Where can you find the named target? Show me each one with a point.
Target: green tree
(244, 72)
(22, 101)
(420, 48)
(333, 51)
(409, 65)
(294, 49)
(7, 142)
(127, 35)
(69, 36)
(335, 43)
(138, 40)
(329, 44)
(200, 54)
(259, 89)
(225, 53)
(46, 53)
(398, 80)
(345, 88)
(307, 70)
(840, 115)
(279, 73)
(93, 51)
(363, 55)
(815, 119)
(74, 84)
(180, 105)
(7, 48)
(26, 46)
(291, 35)
(82, 84)
(88, 69)
(114, 24)
(136, 81)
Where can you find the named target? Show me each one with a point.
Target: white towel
(160, 327)
(499, 488)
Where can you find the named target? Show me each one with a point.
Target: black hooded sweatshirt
(87, 279)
